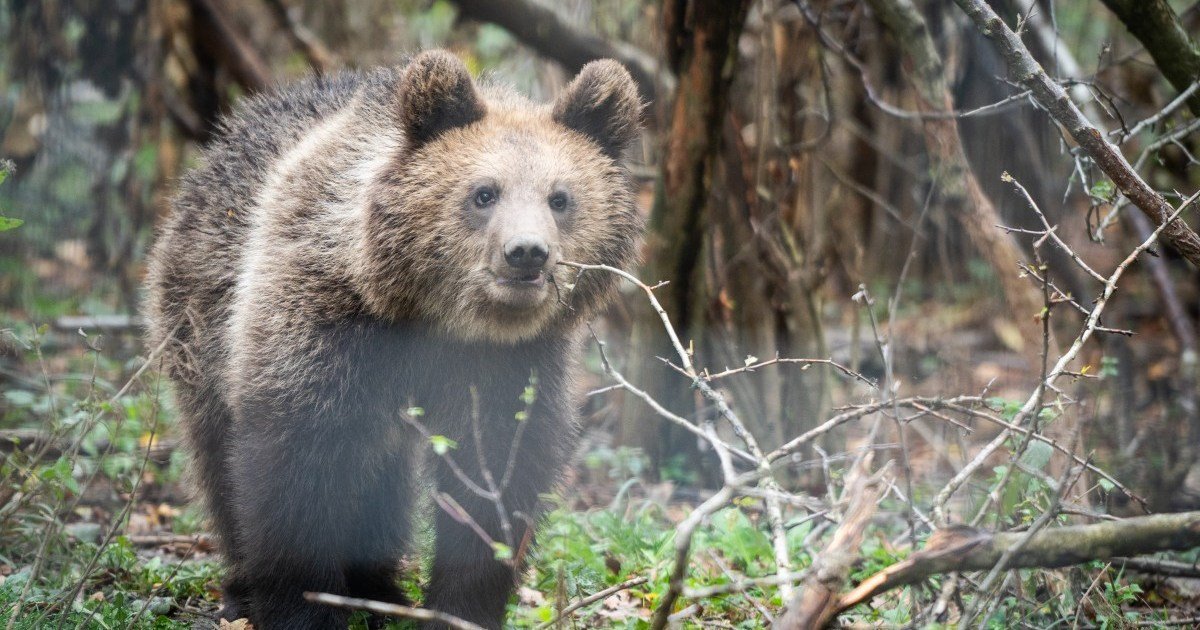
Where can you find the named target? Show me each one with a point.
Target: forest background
(914, 341)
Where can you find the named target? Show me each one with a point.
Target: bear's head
(487, 193)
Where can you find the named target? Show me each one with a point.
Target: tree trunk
(701, 39)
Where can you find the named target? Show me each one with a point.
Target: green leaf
(9, 223)
(1109, 367)
(19, 398)
(529, 395)
(1106, 485)
(442, 444)
(1104, 189)
(503, 551)
(1037, 455)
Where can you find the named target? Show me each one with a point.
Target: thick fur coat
(356, 246)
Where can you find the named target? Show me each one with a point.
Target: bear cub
(366, 261)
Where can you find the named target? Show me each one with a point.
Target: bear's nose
(526, 252)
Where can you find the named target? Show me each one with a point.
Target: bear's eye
(485, 197)
(559, 201)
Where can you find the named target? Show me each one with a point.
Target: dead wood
(816, 601)
(960, 548)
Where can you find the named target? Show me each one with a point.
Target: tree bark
(1051, 96)
(1156, 26)
(701, 38)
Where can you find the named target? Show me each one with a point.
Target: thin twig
(385, 608)
(593, 598)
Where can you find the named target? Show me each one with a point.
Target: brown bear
(356, 246)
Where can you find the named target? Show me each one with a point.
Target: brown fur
(329, 267)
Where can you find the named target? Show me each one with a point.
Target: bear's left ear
(602, 103)
(437, 95)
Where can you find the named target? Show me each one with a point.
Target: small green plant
(7, 223)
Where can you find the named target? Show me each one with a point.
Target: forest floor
(103, 522)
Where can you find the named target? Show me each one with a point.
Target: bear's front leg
(320, 510)
(467, 579)
(322, 469)
(288, 535)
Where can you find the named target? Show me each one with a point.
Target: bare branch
(229, 45)
(541, 29)
(1060, 106)
(1031, 405)
(1156, 26)
(593, 598)
(314, 50)
(385, 608)
(815, 603)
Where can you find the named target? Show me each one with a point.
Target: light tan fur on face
(425, 252)
(360, 216)
(527, 158)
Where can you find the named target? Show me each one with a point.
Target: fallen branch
(396, 610)
(1060, 106)
(198, 542)
(815, 603)
(1159, 566)
(959, 549)
(594, 597)
(541, 29)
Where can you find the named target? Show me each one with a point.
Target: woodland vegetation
(914, 341)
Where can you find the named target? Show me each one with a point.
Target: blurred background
(822, 179)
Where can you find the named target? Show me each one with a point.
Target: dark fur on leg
(467, 580)
(324, 503)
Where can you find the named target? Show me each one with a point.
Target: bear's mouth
(518, 290)
(529, 279)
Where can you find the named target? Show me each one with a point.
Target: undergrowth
(101, 472)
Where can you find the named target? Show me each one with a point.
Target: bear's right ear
(437, 95)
